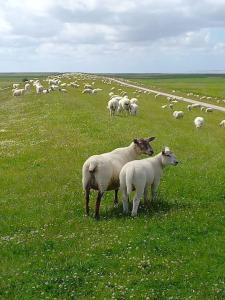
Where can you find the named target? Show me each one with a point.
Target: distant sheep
(209, 109)
(18, 92)
(178, 114)
(139, 175)
(133, 109)
(222, 124)
(199, 122)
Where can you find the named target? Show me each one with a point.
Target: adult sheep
(101, 172)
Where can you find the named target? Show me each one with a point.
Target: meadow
(210, 85)
(50, 250)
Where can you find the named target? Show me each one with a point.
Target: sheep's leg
(87, 199)
(136, 202)
(97, 205)
(125, 202)
(116, 198)
(154, 190)
(146, 201)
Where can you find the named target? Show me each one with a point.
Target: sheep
(222, 123)
(140, 174)
(27, 87)
(18, 92)
(16, 85)
(133, 109)
(87, 91)
(202, 108)
(134, 100)
(164, 106)
(171, 106)
(39, 88)
(88, 86)
(124, 105)
(199, 122)
(112, 106)
(209, 109)
(101, 172)
(178, 114)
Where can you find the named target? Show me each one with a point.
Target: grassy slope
(213, 86)
(50, 250)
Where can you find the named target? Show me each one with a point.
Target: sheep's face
(143, 145)
(168, 157)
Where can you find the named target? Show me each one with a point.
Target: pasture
(204, 85)
(50, 250)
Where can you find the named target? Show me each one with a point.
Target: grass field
(203, 85)
(50, 250)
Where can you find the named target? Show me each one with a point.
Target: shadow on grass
(159, 207)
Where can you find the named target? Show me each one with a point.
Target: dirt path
(216, 107)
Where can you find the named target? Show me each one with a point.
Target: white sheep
(16, 85)
(133, 109)
(199, 122)
(189, 107)
(87, 91)
(134, 100)
(124, 105)
(18, 92)
(39, 88)
(178, 114)
(140, 174)
(101, 172)
(209, 109)
(222, 123)
(164, 106)
(112, 106)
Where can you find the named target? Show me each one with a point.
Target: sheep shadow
(159, 207)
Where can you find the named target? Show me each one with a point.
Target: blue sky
(112, 36)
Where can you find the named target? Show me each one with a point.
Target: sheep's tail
(87, 173)
(129, 180)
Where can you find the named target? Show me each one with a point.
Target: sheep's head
(168, 157)
(143, 145)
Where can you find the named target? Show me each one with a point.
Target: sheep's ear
(151, 139)
(135, 141)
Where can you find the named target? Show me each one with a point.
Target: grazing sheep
(164, 106)
(202, 108)
(101, 172)
(171, 106)
(189, 107)
(87, 91)
(124, 105)
(134, 100)
(18, 92)
(196, 105)
(199, 122)
(209, 109)
(222, 123)
(133, 109)
(112, 106)
(140, 174)
(178, 114)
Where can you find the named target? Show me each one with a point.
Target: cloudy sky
(112, 35)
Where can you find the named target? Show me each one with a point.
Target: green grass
(204, 85)
(50, 250)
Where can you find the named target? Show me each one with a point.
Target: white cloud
(113, 29)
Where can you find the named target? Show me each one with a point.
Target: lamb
(133, 109)
(112, 106)
(222, 123)
(101, 172)
(199, 122)
(178, 114)
(140, 174)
